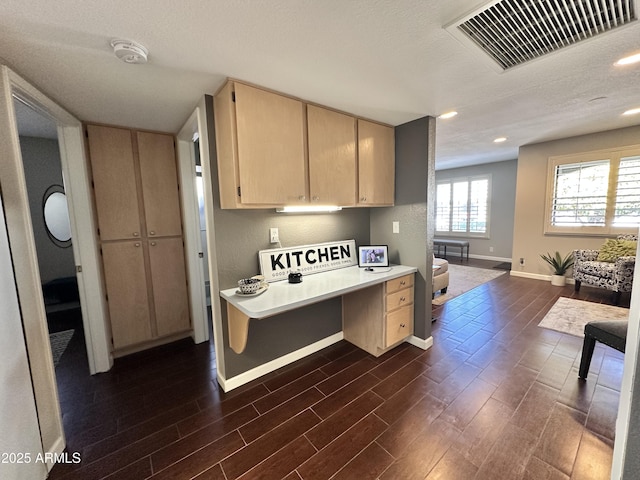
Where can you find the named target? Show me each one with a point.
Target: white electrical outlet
(396, 227)
(274, 237)
(491, 249)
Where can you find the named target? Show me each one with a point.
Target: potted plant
(560, 266)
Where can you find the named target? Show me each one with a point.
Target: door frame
(85, 250)
(191, 220)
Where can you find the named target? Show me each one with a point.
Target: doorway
(49, 209)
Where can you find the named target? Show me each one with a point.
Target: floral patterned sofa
(616, 276)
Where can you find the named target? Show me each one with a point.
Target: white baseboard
(422, 343)
(239, 380)
(537, 276)
(56, 450)
(480, 257)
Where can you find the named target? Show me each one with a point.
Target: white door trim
(191, 222)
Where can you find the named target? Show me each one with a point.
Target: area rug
(59, 342)
(569, 315)
(462, 279)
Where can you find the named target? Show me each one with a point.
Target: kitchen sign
(276, 264)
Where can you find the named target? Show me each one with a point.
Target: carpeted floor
(569, 315)
(462, 279)
(59, 342)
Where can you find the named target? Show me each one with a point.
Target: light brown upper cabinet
(268, 159)
(274, 150)
(332, 157)
(376, 164)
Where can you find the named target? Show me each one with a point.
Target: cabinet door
(271, 151)
(114, 181)
(169, 282)
(376, 164)
(126, 283)
(159, 184)
(332, 157)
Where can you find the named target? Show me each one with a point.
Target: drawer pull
(136, 244)
(402, 282)
(153, 244)
(402, 325)
(152, 232)
(135, 234)
(402, 299)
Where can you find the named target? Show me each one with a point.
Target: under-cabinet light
(308, 209)
(633, 111)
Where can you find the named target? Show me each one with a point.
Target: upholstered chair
(615, 274)
(440, 276)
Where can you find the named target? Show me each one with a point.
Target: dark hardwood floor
(496, 397)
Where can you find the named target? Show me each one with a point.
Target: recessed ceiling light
(448, 114)
(629, 60)
(633, 111)
(500, 140)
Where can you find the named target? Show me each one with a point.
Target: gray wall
(239, 235)
(42, 168)
(415, 163)
(501, 209)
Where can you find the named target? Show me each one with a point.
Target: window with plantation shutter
(594, 193)
(462, 206)
(627, 210)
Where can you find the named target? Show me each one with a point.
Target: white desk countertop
(283, 296)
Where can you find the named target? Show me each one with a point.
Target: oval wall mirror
(56, 216)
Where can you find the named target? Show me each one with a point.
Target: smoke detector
(129, 51)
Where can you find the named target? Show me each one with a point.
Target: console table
(379, 295)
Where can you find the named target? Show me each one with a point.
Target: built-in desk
(282, 297)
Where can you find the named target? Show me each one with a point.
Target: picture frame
(372, 256)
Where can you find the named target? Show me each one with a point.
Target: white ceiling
(388, 60)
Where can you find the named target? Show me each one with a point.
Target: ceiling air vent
(513, 32)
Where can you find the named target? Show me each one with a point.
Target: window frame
(613, 156)
(469, 179)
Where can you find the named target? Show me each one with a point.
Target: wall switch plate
(274, 236)
(491, 249)
(396, 227)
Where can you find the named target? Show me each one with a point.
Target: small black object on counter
(295, 277)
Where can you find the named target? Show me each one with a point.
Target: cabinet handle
(302, 197)
(363, 199)
(402, 282)
(316, 198)
(136, 234)
(402, 325)
(153, 244)
(152, 232)
(137, 244)
(402, 299)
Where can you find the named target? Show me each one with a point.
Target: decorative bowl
(249, 285)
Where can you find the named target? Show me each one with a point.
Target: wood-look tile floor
(496, 397)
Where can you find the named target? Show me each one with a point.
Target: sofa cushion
(604, 270)
(612, 249)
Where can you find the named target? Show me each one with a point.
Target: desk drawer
(399, 299)
(399, 283)
(399, 325)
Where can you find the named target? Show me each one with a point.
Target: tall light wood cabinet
(140, 229)
(376, 174)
